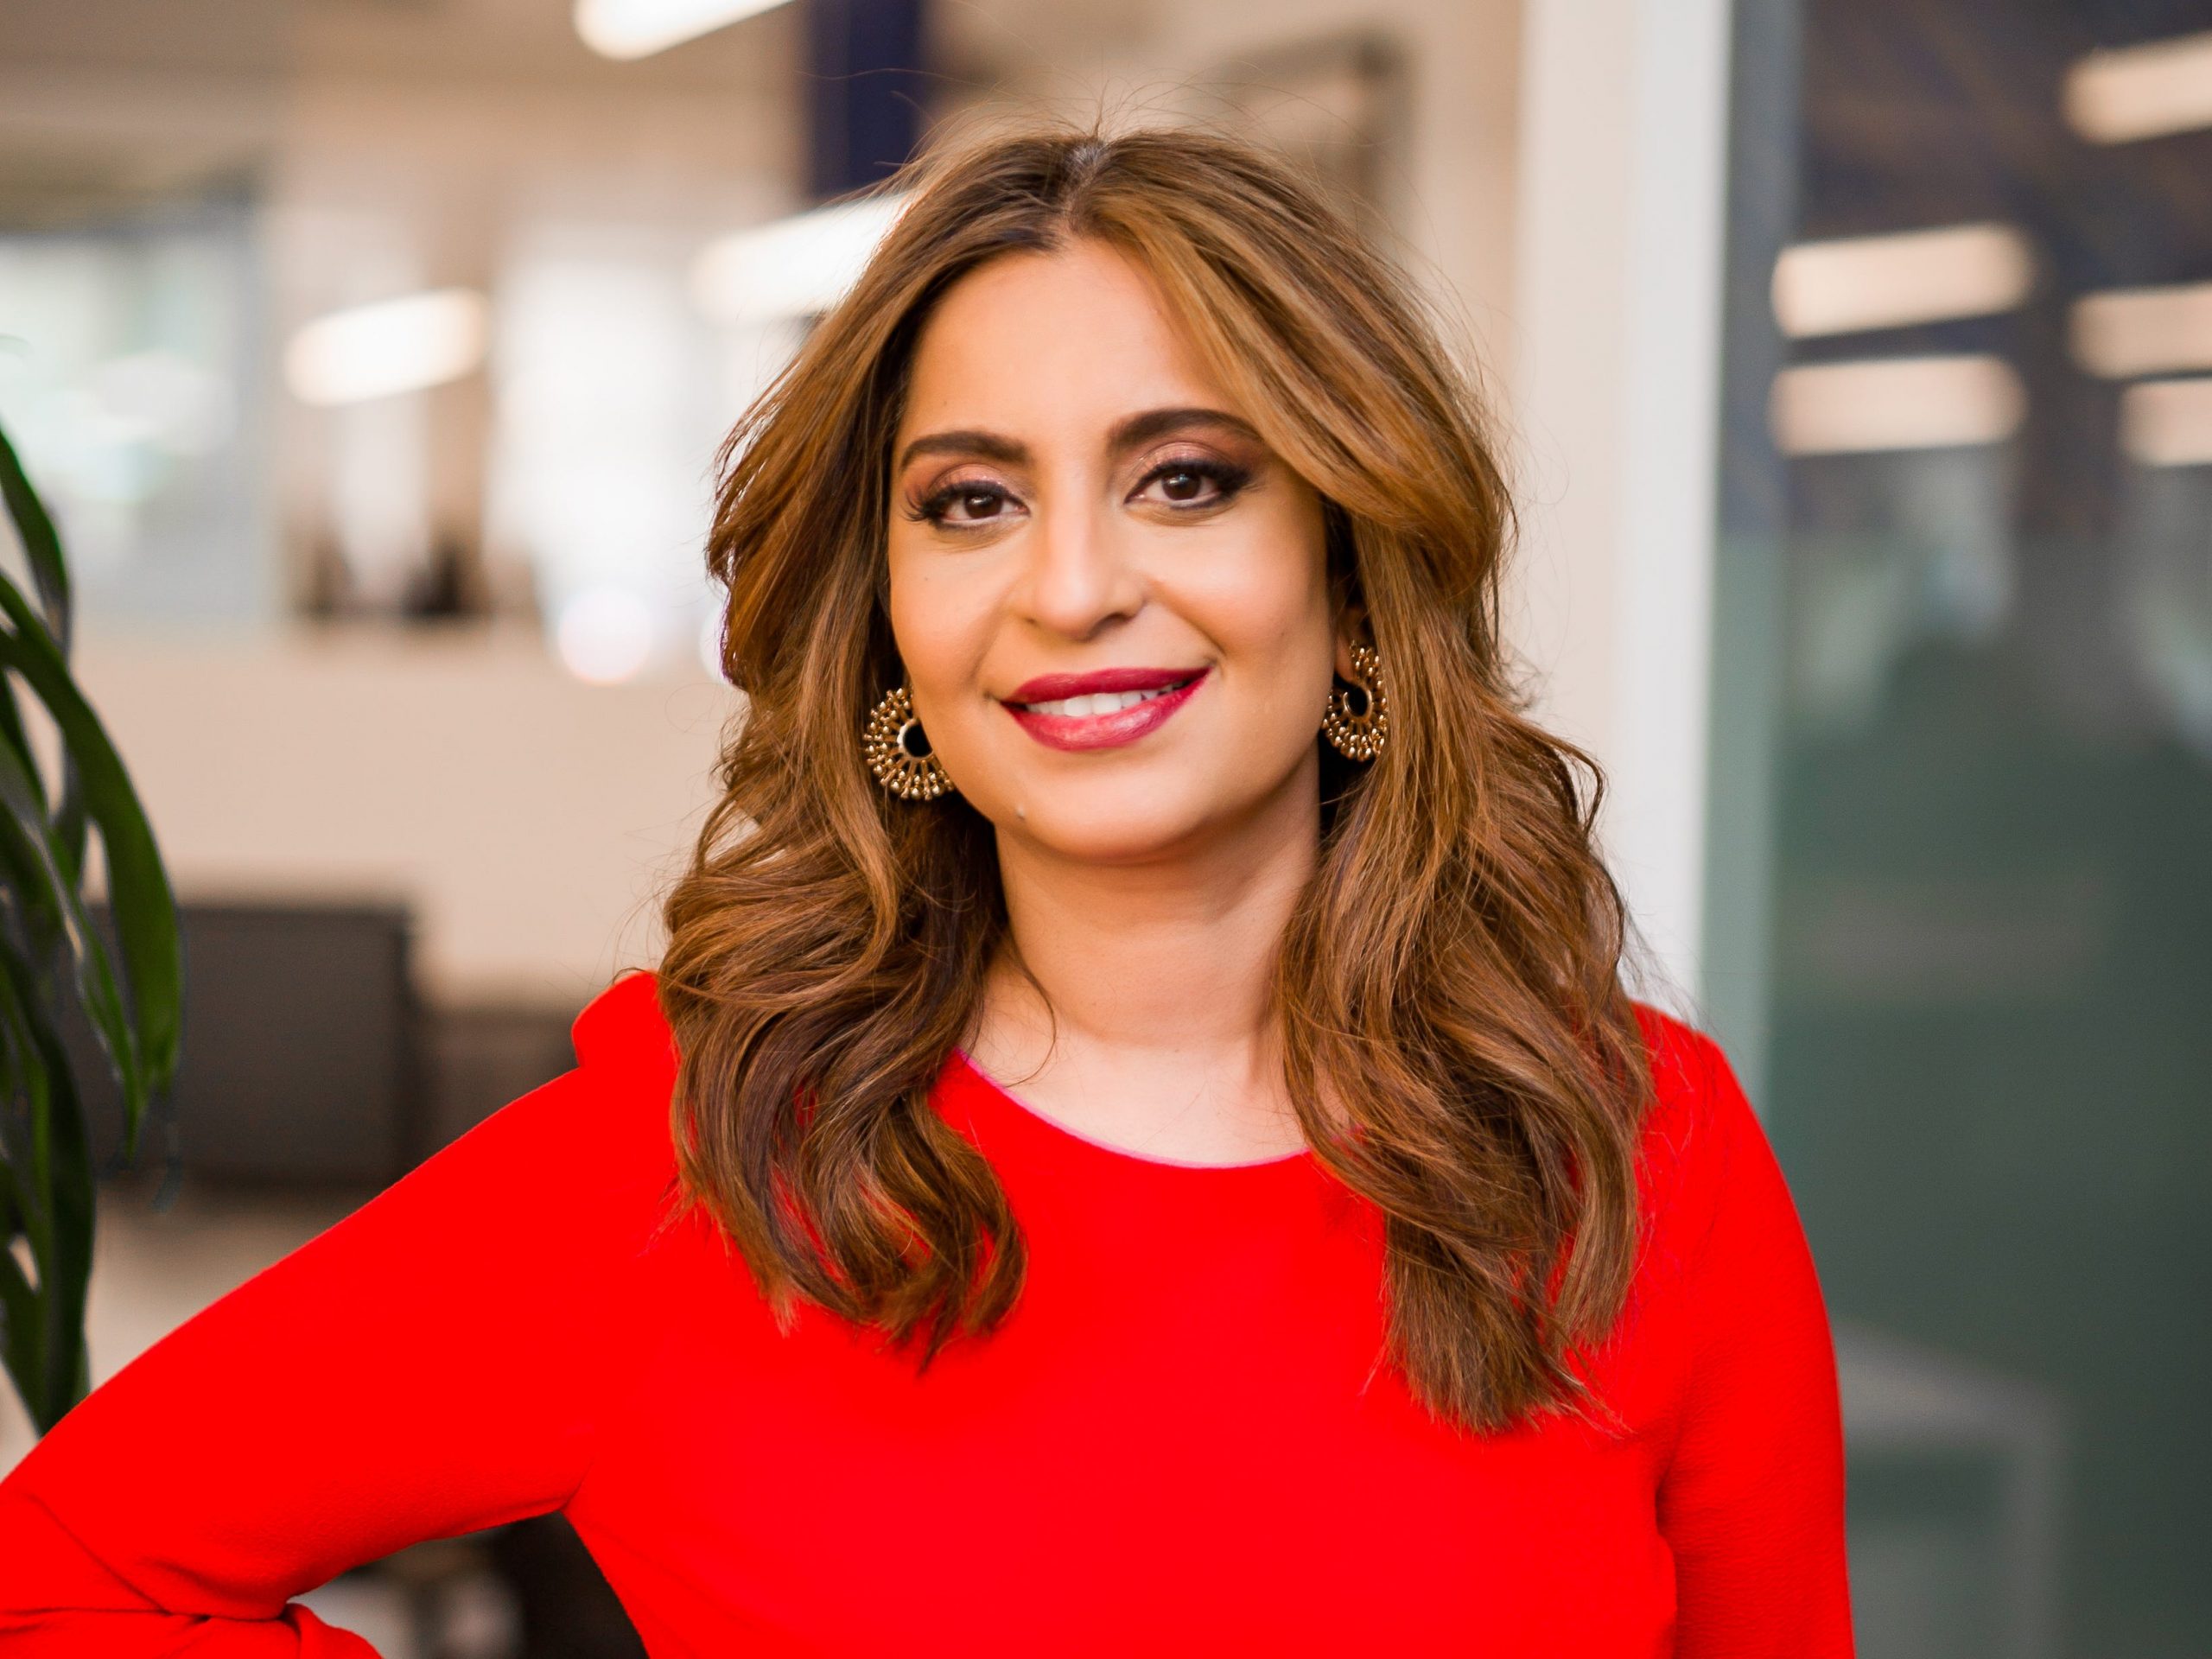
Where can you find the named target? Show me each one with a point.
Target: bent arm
(61, 1599)
(433, 1365)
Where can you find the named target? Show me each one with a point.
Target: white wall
(532, 819)
(1616, 381)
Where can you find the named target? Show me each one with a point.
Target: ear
(1351, 628)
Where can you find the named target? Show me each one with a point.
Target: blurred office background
(1857, 355)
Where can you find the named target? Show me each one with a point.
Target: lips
(1103, 709)
(1052, 688)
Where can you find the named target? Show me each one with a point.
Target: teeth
(1101, 703)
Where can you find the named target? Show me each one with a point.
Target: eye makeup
(1229, 479)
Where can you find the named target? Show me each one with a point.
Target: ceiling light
(637, 28)
(796, 267)
(2167, 422)
(2131, 331)
(392, 346)
(1895, 403)
(2140, 92)
(1884, 282)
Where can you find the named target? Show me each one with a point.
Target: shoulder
(593, 1141)
(1693, 1087)
(1700, 1145)
(610, 1110)
(623, 1030)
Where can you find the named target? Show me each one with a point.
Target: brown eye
(978, 504)
(1192, 484)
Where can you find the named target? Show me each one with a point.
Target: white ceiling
(107, 105)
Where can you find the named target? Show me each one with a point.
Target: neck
(1155, 1023)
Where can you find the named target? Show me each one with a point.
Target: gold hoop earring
(897, 751)
(1360, 732)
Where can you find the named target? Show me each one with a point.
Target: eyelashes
(1228, 479)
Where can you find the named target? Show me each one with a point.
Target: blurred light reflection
(370, 351)
(2122, 333)
(796, 267)
(2167, 422)
(637, 28)
(1859, 283)
(2119, 95)
(1897, 402)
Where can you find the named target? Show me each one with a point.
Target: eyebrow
(1125, 434)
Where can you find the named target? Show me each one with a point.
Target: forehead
(1066, 341)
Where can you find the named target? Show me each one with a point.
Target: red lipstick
(1101, 729)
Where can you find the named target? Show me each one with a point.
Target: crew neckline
(991, 1088)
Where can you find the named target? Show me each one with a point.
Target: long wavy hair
(1449, 982)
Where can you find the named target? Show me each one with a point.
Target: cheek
(940, 625)
(1267, 605)
(917, 608)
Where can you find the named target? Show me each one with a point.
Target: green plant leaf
(65, 1279)
(19, 1309)
(50, 575)
(69, 820)
(41, 545)
(59, 1215)
(140, 901)
(27, 847)
(29, 893)
(22, 1322)
(47, 1194)
(43, 922)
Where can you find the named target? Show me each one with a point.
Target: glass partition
(1961, 916)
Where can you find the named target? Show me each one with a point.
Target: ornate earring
(897, 751)
(1358, 720)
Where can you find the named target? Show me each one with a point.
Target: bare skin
(1148, 882)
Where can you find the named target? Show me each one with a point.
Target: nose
(1079, 576)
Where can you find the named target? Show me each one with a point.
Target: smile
(1098, 702)
(1105, 709)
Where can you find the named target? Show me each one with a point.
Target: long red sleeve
(1179, 1443)
(435, 1364)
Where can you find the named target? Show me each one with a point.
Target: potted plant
(54, 964)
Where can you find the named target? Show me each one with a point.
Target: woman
(1160, 1163)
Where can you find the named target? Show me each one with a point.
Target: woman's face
(1109, 595)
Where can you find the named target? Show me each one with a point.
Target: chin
(1120, 826)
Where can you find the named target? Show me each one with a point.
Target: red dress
(1180, 1443)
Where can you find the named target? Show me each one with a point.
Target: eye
(978, 504)
(1184, 481)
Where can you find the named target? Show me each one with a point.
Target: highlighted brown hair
(1450, 982)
